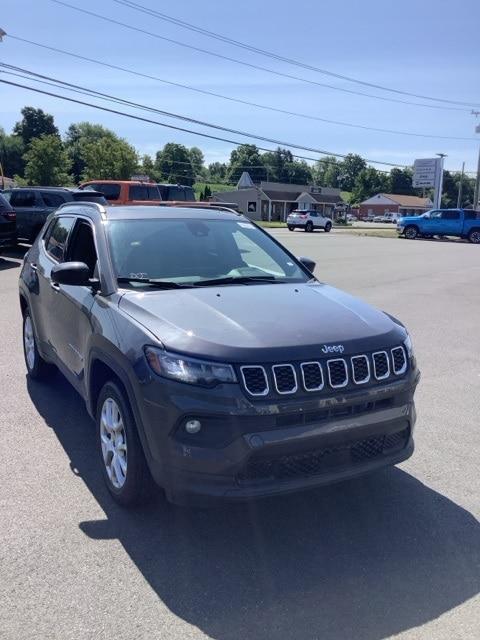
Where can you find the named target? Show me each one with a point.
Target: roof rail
(80, 203)
(201, 205)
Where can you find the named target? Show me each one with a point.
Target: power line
(251, 65)
(91, 93)
(156, 122)
(238, 100)
(270, 54)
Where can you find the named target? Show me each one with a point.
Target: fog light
(193, 426)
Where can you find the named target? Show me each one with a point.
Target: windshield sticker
(246, 225)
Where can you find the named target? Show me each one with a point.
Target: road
(396, 554)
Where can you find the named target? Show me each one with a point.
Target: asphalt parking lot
(396, 554)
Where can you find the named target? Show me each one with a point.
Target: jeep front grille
(320, 375)
(381, 365)
(285, 378)
(399, 360)
(255, 380)
(337, 373)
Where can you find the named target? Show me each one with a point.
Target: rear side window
(176, 193)
(22, 199)
(57, 239)
(53, 199)
(472, 215)
(110, 191)
(451, 215)
(143, 192)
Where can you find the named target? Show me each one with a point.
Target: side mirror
(72, 273)
(308, 263)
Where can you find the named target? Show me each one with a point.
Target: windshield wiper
(160, 284)
(236, 280)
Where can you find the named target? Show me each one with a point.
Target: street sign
(425, 172)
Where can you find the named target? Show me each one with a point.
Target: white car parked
(308, 221)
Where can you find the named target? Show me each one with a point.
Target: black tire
(291, 227)
(411, 232)
(474, 236)
(309, 227)
(37, 367)
(328, 227)
(135, 485)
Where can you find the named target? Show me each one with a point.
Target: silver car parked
(308, 220)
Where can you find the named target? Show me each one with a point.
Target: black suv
(33, 205)
(8, 227)
(210, 357)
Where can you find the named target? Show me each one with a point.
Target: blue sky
(429, 47)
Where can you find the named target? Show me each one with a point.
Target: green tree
(207, 193)
(298, 172)
(108, 159)
(217, 171)
(173, 164)
(147, 167)
(401, 182)
(198, 161)
(34, 123)
(11, 154)
(80, 134)
(246, 157)
(351, 167)
(369, 182)
(47, 162)
(326, 172)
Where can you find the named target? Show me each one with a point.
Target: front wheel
(309, 227)
(291, 227)
(411, 233)
(474, 236)
(123, 462)
(328, 227)
(37, 367)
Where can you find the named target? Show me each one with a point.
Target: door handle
(33, 266)
(55, 286)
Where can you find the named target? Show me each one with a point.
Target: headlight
(191, 370)
(407, 343)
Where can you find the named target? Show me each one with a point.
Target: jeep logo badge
(334, 348)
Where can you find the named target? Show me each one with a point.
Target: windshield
(189, 251)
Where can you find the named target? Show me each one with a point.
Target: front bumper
(273, 447)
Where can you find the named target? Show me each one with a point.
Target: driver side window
(82, 246)
(436, 214)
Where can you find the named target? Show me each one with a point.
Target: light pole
(460, 187)
(439, 183)
(477, 181)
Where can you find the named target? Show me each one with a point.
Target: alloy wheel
(29, 342)
(114, 443)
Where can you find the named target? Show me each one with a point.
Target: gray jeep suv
(212, 360)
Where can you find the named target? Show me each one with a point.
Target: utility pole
(439, 182)
(460, 188)
(477, 181)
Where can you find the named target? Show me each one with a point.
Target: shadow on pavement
(10, 258)
(366, 559)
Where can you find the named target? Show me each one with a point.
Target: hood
(268, 322)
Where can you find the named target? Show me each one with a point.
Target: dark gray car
(33, 205)
(210, 357)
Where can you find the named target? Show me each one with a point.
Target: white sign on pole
(425, 172)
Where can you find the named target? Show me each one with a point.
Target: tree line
(35, 153)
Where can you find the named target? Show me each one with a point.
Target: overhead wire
(92, 93)
(237, 100)
(249, 64)
(270, 54)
